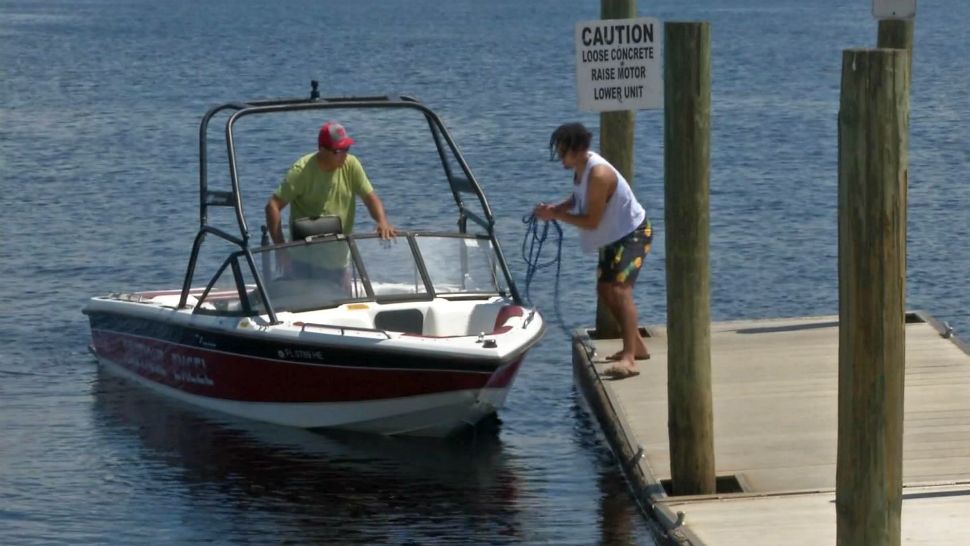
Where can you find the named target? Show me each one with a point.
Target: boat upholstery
(410, 321)
(317, 225)
(303, 293)
(454, 318)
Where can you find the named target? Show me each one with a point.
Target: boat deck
(775, 385)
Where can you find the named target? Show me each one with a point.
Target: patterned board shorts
(621, 260)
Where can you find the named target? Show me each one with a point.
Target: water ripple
(98, 128)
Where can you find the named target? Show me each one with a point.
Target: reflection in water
(616, 511)
(304, 487)
(620, 522)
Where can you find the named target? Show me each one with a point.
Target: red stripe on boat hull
(239, 377)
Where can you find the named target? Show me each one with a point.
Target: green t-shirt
(311, 192)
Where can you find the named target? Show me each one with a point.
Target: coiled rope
(532, 243)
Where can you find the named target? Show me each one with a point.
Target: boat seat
(303, 228)
(409, 321)
(457, 319)
(328, 318)
(303, 293)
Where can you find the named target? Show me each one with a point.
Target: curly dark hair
(569, 137)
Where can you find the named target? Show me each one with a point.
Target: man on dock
(610, 221)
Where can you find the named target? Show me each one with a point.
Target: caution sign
(619, 64)
(893, 9)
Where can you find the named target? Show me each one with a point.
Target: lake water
(99, 108)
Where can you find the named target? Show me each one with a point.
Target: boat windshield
(461, 264)
(326, 272)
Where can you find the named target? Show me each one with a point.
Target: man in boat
(610, 221)
(325, 183)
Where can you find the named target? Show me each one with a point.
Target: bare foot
(617, 356)
(621, 371)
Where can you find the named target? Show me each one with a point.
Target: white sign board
(893, 9)
(619, 64)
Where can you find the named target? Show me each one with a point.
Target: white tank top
(623, 213)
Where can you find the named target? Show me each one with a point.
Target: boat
(422, 335)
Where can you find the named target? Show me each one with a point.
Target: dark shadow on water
(320, 487)
(620, 520)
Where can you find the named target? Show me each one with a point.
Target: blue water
(99, 108)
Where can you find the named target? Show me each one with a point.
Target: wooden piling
(897, 34)
(687, 96)
(616, 145)
(873, 135)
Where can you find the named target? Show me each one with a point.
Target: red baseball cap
(333, 135)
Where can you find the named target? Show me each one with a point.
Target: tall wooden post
(897, 34)
(873, 163)
(687, 136)
(616, 145)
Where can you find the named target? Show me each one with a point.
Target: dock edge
(645, 487)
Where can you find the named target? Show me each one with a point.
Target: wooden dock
(775, 386)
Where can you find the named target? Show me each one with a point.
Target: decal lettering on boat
(288, 353)
(190, 369)
(203, 342)
(144, 359)
(147, 360)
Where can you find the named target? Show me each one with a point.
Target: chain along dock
(775, 392)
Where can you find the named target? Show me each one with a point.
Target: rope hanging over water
(532, 254)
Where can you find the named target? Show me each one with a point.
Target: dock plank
(936, 515)
(775, 391)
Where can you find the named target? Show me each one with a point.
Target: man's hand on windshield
(283, 264)
(386, 231)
